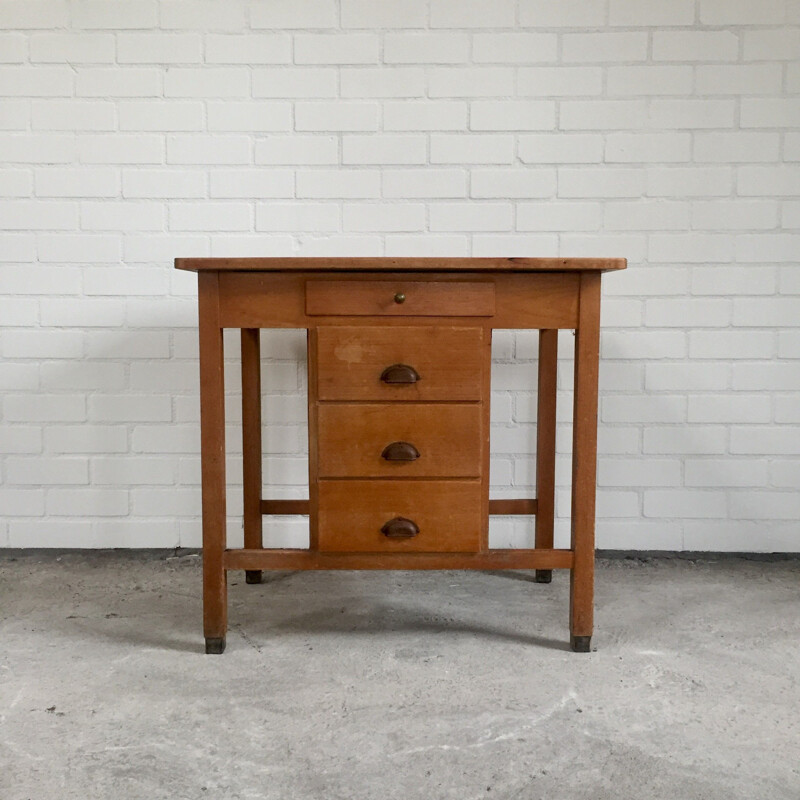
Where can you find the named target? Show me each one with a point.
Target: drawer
(445, 514)
(399, 440)
(400, 297)
(448, 363)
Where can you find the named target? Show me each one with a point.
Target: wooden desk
(399, 356)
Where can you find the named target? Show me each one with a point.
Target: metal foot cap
(215, 647)
(581, 644)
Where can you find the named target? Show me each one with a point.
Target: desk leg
(251, 444)
(212, 441)
(546, 445)
(584, 463)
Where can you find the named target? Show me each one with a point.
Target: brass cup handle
(399, 373)
(400, 451)
(400, 528)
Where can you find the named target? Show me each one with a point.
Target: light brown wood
(351, 339)
(251, 435)
(401, 297)
(546, 437)
(312, 347)
(263, 300)
(352, 438)
(212, 443)
(584, 457)
(291, 559)
(458, 264)
(448, 359)
(516, 506)
(486, 405)
(271, 507)
(277, 300)
(536, 301)
(352, 512)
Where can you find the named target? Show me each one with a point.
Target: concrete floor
(378, 686)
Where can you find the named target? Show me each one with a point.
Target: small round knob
(399, 298)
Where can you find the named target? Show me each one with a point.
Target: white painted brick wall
(665, 132)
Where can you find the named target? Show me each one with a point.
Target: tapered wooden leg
(546, 445)
(251, 443)
(584, 463)
(212, 442)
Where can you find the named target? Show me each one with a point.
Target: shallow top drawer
(400, 298)
(395, 362)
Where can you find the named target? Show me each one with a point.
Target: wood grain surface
(277, 299)
(212, 444)
(328, 264)
(449, 361)
(351, 439)
(419, 298)
(352, 512)
(310, 559)
(584, 457)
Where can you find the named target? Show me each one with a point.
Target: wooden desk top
(455, 264)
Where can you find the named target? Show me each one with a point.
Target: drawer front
(352, 363)
(399, 440)
(401, 297)
(446, 514)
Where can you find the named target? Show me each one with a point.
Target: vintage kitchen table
(399, 356)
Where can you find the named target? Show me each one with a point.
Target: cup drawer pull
(400, 451)
(400, 528)
(399, 373)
